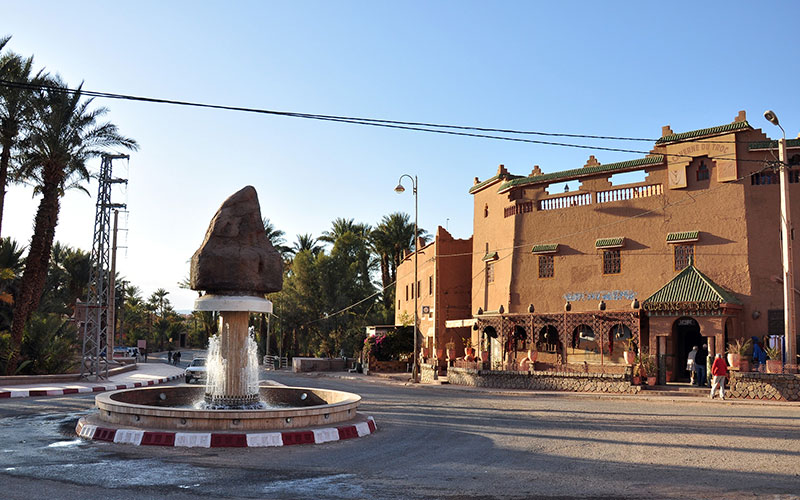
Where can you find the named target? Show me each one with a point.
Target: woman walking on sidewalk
(720, 372)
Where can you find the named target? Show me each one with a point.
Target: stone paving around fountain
(146, 374)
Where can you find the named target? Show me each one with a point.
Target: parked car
(121, 352)
(196, 370)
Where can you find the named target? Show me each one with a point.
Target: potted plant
(648, 364)
(469, 351)
(636, 370)
(774, 362)
(737, 351)
(451, 350)
(629, 353)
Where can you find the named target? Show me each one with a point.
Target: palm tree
(275, 237)
(391, 239)
(160, 301)
(64, 135)
(306, 242)
(342, 226)
(15, 109)
(11, 265)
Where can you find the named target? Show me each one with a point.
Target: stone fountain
(236, 266)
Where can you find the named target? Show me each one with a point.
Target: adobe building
(689, 255)
(442, 291)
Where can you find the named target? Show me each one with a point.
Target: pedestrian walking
(169, 356)
(720, 372)
(759, 355)
(690, 363)
(176, 358)
(700, 366)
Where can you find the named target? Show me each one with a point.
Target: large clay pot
(651, 381)
(629, 356)
(774, 366)
(485, 356)
(425, 352)
(532, 355)
(636, 380)
(670, 377)
(734, 360)
(469, 352)
(451, 354)
(440, 353)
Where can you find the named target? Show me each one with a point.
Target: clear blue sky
(602, 68)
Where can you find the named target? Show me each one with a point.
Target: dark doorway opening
(687, 335)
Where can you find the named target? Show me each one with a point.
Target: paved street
(432, 442)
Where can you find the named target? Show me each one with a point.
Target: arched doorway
(687, 335)
(489, 333)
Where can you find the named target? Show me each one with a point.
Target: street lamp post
(414, 289)
(789, 319)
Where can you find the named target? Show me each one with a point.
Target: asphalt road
(432, 442)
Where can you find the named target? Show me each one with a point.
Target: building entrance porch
(673, 335)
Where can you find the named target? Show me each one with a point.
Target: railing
(519, 208)
(275, 363)
(574, 200)
(629, 193)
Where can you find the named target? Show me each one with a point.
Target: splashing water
(217, 371)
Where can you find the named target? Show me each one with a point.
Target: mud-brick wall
(548, 381)
(755, 385)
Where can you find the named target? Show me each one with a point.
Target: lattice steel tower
(95, 326)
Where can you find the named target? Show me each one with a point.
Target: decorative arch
(581, 334)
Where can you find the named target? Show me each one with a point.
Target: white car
(196, 370)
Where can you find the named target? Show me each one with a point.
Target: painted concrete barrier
(32, 393)
(224, 440)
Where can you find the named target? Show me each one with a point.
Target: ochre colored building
(689, 254)
(443, 288)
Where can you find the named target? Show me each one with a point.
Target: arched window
(519, 337)
(582, 334)
(620, 332)
(547, 341)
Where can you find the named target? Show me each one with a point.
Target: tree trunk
(35, 274)
(5, 158)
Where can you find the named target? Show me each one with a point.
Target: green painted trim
(730, 127)
(684, 236)
(581, 172)
(490, 256)
(609, 242)
(481, 185)
(768, 145)
(550, 248)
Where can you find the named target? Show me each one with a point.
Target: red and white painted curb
(224, 440)
(31, 393)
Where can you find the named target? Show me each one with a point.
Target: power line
(456, 130)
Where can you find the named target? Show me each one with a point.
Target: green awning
(609, 242)
(689, 286)
(683, 237)
(551, 248)
(490, 256)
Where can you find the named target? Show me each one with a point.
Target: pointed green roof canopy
(689, 286)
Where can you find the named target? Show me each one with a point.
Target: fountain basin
(170, 408)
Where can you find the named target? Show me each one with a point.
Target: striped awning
(683, 237)
(550, 248)
(609, 242)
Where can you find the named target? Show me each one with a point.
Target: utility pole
(94, 355)
(787, 234)
(112, 290)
